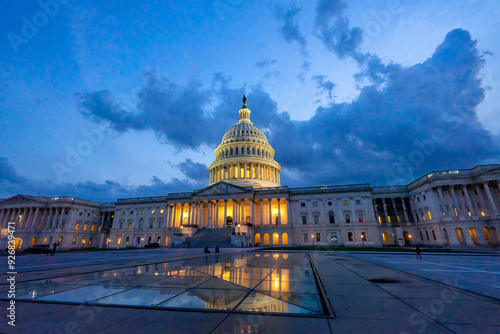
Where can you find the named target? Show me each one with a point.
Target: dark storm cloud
(290, 29)
(11, 183)
(407, 122)
(332, 28)
(194, 170)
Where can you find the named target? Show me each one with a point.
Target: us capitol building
(245, 205)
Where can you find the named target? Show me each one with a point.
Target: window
(66, 212)
(129, 226)
(303, 205)
(85, 227)
(318, 236)
(142, 212)
(236, 150)
(306, 237)
(413, 201)
(334, 237)
(418, 199)
(153, 212)
(330, 203)
(345, 202)
(90, 241)
(331, 217)
(160, 224)
(429, 214)
(119, 241)
(121, 226)
(316, 219)
(363, 236)
(248, 150)
(95, 215)
(99, 228)
(347, 218)
(427, 234)
(416, 215)
(231, 151)
(358, 202)
(127, 240)
(433, 235)
(425, 198)
(141, 223)
(315, 204)
(162, 211)
(421, 236)
(151, 225)
(253, 150)
(149, 239)
(123, 213)
(131, 212)
(304, 220)
(63, 225)
(80, 213)
(88, 214)
(360, 217)
(74, 241)
(77, 226)
(83, 241)
(349, 236)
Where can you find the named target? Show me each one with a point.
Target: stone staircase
(209, 237)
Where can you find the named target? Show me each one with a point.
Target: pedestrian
(417, 249)
(51, 247)
(206, 249)
(54, 248)
(217, 249)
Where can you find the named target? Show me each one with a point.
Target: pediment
(19, 199)
(221, 188)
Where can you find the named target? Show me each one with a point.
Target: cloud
(324, 85)
(194, 170)
(290, 29)
(332, 28)
(12, 183)
(265, 63)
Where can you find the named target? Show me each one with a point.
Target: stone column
(251, 212)
(469, 202)
(455, 200)
(490, 199)
(279, 212)
(200, 214)
(403, 203)
(393, 201)
(261, 204)
(43, 217)
(269, 204)
(242, 208)
(216, 225)
(174, 214)
(225, 214)
(288, 214)
(384, 206)
(234, 212)
(209, 213)
(23, 219)
(168, 216)
(182, 214)
(481, 200)
(251, 172)
(443, 200)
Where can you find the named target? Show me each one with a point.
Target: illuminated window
(363, 236)
(389, 218)
(88, 214)
(349, 236)
(429, 214)
(90, 241)
(345, 202)
(74, 241)
(127, 240)
(129, 226)
(347, 218)
(456, 212)
(123, 213)
(162, 211)
(83, 241)
(423, 217)
(142, 212)
(99, 228)
(63, 225)
(95, 215)
(85, 226)
(360, 218)
(380, 220)
(77, 226)
(93, 228)
(119, 241)
(153, 211)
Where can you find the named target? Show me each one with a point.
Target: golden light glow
(379, 220)
(429, 214)
(469, 214)
(456, 213)
(276, 284)
(482, 213)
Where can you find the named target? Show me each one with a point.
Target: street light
(363, 239)
(239, 228)
(83, 243)
(312, 237)
(181, 229)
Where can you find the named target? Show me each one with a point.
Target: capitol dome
(244, 157)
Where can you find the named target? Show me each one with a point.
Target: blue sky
(104, 100)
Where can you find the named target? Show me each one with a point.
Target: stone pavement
(364, 298)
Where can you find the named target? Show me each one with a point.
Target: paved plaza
(241, 291)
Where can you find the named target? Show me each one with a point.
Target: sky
(115, 99)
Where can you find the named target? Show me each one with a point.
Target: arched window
(253, 150)
(236, 151)
(231, 151)
(276, 239)
(257, 239)
(248, 150)
(473, 235)
(385, 236)
(141, 222)
(226, 153)
(460, 235)
(285, 239)
(258, 151)
(331, 217)
(266, 239)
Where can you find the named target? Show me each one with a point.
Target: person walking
(54, 248)
(206, 250)
(51, 247)
(417, 250)
(217, 249)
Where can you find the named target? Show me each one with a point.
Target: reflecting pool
(252, 282)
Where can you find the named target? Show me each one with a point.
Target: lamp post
(181, 229)
(312, 237)
(239, 228)
(142, 239)
(363, 240)
(83, 243)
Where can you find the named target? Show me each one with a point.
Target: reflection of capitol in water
(280, 283)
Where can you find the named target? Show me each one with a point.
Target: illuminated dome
(244, 157)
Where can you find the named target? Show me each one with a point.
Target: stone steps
(209, 237)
